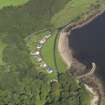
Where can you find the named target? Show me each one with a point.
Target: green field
(74, 10)
(6, 3)
(48, 51)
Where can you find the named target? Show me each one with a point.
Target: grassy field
(6, 3)
(48, 50)
(73, 10)
(48, 53)
(2, 46)
(32, 45)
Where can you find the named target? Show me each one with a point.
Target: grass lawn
(2, 46)
(73, 9)
(47, 51)
(48, 54)
(5, 3)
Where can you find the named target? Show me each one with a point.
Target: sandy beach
(63, 48)
(66, 52)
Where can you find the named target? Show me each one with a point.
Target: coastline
(64, 50)
(66, 54)
(82, 22)
(95, 97)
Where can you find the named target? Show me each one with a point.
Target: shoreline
(78, 24)
(95, 97)
(66, 54)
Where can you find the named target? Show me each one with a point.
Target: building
(47, 36)
(39, 59)
(39, 46)
(44, 65)
(42, 41)
(49, 70)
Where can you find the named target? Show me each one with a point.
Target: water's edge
(92, 81)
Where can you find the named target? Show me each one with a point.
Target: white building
(35, 53)
(54, 80)
(44, 65)
(39, 59)
(49, 70)
(47, 36)
(39, 46)
(42, 41)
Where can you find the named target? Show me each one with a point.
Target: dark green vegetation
(2, 46)
(37, 90)
(67, 92)
(21, 81)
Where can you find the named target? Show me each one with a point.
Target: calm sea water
(88, 44)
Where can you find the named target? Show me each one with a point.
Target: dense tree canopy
(67, 92)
